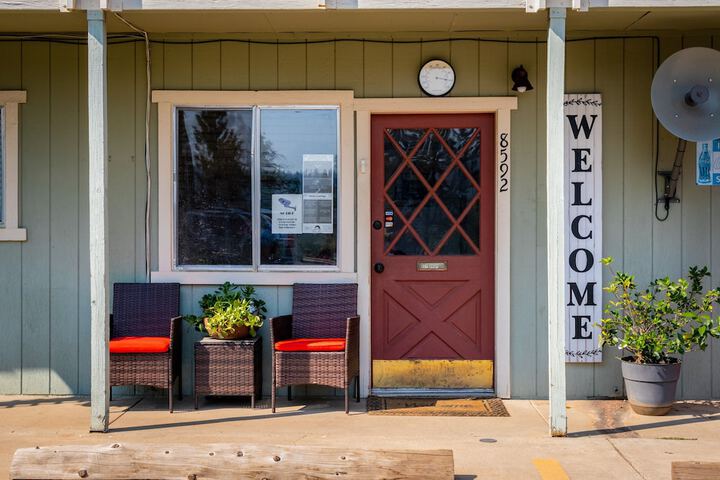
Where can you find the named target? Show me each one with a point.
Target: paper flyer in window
(287, 213)
(318, 175)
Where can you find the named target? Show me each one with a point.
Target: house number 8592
(504, 166)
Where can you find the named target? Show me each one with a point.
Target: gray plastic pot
(650, 387)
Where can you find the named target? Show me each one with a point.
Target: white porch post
(99, 312)
(556, 219)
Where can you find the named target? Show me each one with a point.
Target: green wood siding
(44, 286)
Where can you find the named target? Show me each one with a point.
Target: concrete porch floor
(607, 440)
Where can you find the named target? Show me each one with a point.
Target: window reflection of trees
(214, 194)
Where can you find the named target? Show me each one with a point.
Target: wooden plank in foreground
(695, 470)
(226, 462)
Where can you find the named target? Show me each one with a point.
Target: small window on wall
(9, 167)
(256, 188)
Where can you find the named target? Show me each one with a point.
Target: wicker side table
(228, 367)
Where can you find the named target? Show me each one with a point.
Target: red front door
(432, 246)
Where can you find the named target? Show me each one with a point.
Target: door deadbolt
(377, 224)
(379, 267)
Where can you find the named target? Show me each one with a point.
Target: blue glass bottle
(703, 166)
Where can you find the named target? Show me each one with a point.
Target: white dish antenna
(686, 94)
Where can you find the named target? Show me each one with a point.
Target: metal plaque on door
(432, 266)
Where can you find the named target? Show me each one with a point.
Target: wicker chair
(320, 311)
(149, 313)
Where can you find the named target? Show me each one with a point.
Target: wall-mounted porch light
(520, 80)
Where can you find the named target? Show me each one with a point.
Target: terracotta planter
(650, 387)
(241, 331)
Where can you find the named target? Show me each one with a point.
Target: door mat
(441, 407)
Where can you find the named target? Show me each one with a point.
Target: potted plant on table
(231, 312)
(654, 325)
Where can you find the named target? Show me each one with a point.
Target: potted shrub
(231, 312)
(654, 325)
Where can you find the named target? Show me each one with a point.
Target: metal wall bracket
(667, 177)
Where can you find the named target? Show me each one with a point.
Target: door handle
(379, 267)
(377, 224)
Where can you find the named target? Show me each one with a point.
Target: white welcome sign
(583, 220)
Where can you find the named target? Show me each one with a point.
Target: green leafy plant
(228, 308)
(667, 318)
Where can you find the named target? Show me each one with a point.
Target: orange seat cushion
(139, 345)
(311, 345)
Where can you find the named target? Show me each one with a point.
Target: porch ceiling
(335, 21)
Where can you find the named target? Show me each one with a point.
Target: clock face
(436, 78)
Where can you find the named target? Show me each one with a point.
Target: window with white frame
(252, 183)
(256, 187)
(9, 168)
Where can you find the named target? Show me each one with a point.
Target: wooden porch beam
(528, 5)
(556, 219)
(97, 132)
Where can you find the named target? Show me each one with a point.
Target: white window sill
(252, 278)
(13, 234)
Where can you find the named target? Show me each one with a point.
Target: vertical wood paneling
(10, 257)
(190, 296)
(321, 66)
(696, 248)
(206, 66)
(579, 78)
(177, 62)
(235, 66)
(609, 82)
(35, 148)
(270, 295)
(349, 67)
(292, 67)
(122, 162)
(406, 60)
(523, 226)
(637, 152)
(378, 70)
(188, 306)
(263, 67)
(464, 57)
(493, 69)
(63, 219)
(435, 49)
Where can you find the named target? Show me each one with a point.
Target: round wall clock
(436, 78)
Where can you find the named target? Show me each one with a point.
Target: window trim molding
(168, 100)
(10, 230)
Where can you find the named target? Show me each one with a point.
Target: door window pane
(214, 187)
(444, 220)
(298, 186)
